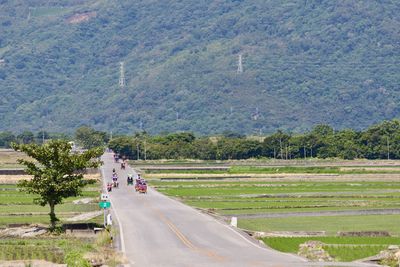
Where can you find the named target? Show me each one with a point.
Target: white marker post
(234, 221)
(109, 219)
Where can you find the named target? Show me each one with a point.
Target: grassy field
(300, 196)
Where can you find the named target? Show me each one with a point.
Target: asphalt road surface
(159, 231)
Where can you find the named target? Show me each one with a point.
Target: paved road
(159, 231)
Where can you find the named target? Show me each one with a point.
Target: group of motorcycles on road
(140, 184)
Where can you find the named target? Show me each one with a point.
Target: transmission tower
(122, 74)
(240, 64)
(256, 115)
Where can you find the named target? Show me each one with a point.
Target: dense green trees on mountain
(305, 62)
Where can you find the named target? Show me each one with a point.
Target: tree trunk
(53, 218)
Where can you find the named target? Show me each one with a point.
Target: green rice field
(17, 207)
(299, 204)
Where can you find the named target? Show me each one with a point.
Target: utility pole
(122, 74)
(388, 147)
(255, 115)
(240, 64)
(111, 135)
(286, 148)
(145, 151)
(137, 151)
(42, 133)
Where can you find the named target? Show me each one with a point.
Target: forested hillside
(304, 62)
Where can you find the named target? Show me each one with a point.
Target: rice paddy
(289, 199)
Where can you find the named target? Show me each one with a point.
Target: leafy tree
(346, 144)
(382, 139)
(90, 138)
(324, 136)
(180, 137)
(276, 145)
(204, 148)
(26, 137)
(6, 138)
(126, 146)
(57, 172)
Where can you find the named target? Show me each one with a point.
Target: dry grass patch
(13, 179)
(9, 158)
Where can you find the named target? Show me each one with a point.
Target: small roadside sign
(104, 197)
(105, 205)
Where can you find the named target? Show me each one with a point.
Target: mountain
(305, 62)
